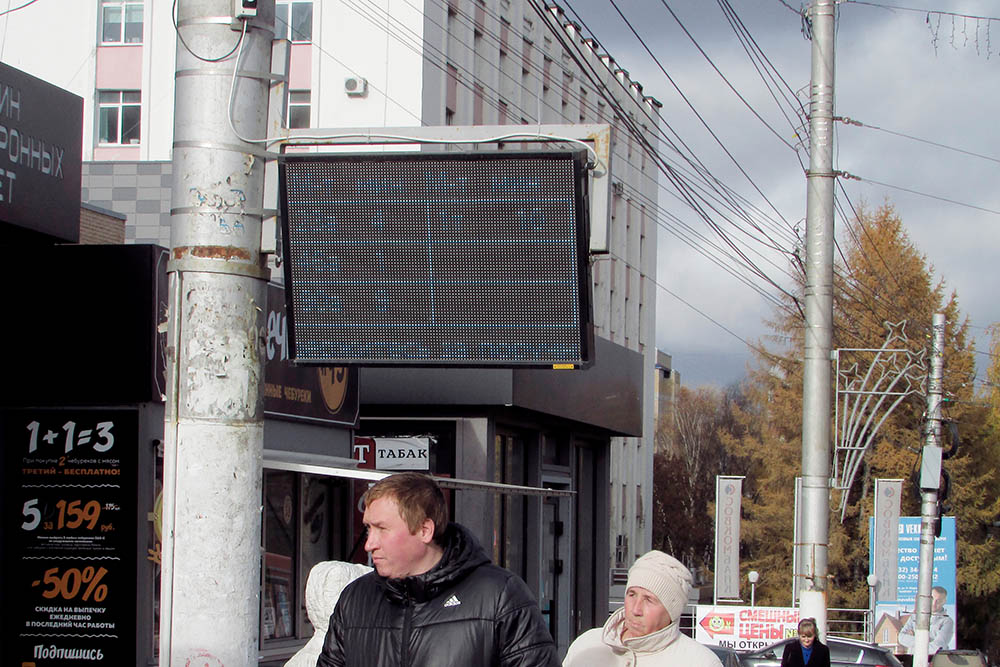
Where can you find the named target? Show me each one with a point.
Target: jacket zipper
(405, 640)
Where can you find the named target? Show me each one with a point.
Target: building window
(504, 35)
(121, 21)
(451, 90)
(293, 20)
(119, 113)
(299, 108)
(478, 100)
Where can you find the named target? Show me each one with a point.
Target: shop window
(293, 20)
(299, 108)
(555, 450)
(510, 518)
(121, 21)
(280, 523)
(300, 529)
(119, 113)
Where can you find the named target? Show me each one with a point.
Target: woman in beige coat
(646, 631)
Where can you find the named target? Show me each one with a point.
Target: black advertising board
(69, 537)
(82, 325)
(325, 394)
(41, 130)
(437, 259)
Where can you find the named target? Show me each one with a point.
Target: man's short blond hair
(418, 497)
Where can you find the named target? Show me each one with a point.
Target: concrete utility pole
(930, 481)
(817, 371)
(214, 430)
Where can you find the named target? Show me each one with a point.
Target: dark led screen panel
(473, 259)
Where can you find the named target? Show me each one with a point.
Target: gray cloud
(890, 75)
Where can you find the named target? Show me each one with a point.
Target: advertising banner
(69, 536)
(895, 619)
(728, 499)
(744, 628)
(41, 130)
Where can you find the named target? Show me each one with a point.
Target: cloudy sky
(929, 74)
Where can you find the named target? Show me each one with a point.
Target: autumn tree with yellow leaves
(881, 279)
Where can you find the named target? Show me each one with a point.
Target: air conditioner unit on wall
(356, 86)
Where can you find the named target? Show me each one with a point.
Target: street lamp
(753, 576)
(872, 583)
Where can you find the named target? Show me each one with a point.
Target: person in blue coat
(809, 650)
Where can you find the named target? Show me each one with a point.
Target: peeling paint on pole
(220, 359)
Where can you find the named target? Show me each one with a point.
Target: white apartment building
(408, 63)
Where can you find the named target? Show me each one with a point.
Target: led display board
(437, 259)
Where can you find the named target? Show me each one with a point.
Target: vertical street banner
(69, 497)
(886, 537)
(728, 501)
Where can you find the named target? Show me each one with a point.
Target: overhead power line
(688, 102)
(792, 9)
(697, 310)
(700, 206)
(917, 192)
(723, 76)
(858, 123)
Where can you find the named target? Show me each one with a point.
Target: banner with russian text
(69, 487)
(744, 628)
(728, 500)
(895, 619)
(885, 552)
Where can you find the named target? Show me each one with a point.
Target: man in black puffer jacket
(435, 599)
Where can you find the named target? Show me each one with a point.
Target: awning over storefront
(336, 466)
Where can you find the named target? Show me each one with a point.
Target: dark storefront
(83, 381)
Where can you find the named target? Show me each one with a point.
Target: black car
(729, 657)
(843, 652)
